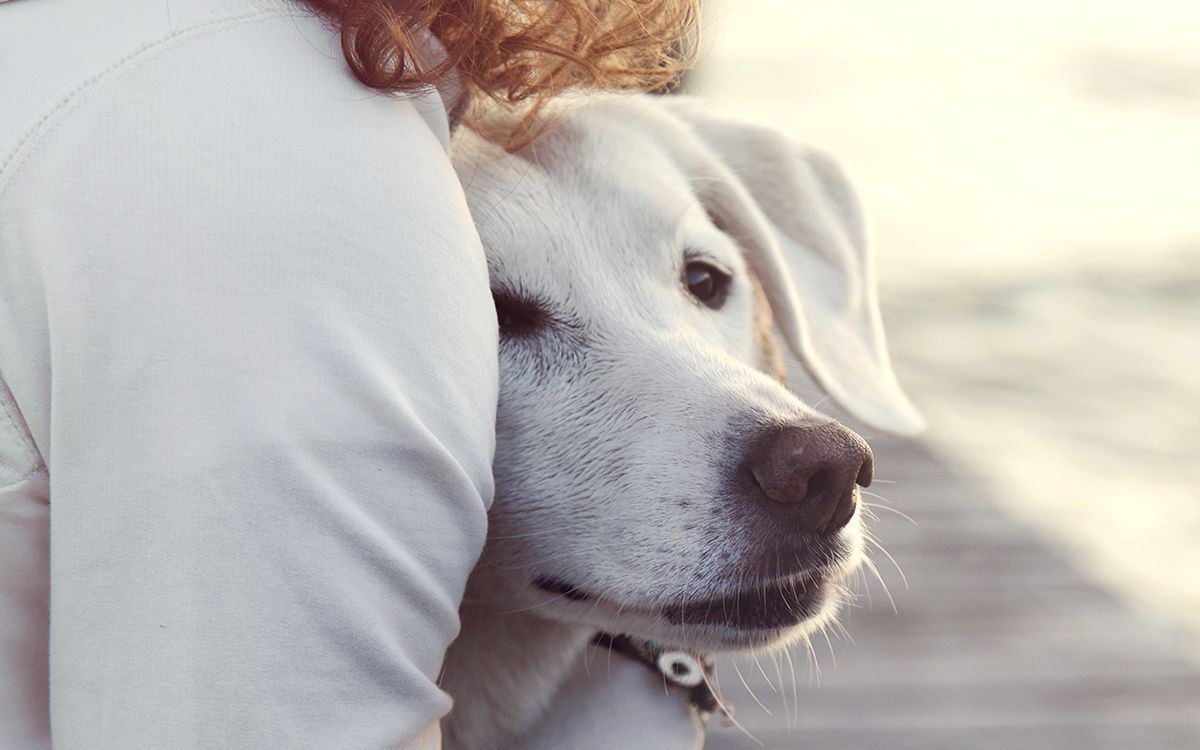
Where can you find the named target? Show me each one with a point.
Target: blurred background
(1031, 175)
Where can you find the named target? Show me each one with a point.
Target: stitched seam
(39, 471)
(17, 428)
(28, 144)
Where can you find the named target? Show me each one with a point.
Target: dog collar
(686, 672)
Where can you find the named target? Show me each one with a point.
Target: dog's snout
(812, 470)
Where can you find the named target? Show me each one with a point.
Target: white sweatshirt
(248, 363)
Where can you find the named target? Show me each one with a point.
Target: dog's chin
(744, 619)
(731, 617)
(752, 619)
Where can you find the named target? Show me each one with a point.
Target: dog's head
(653, 476)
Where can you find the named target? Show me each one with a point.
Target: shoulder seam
(11, 162)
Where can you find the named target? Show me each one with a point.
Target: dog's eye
(518, 316)
(706, 282)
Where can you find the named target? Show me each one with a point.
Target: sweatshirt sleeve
(250, 330)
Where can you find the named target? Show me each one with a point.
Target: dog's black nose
(812, 470)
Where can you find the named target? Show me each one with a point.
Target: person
(248, 355)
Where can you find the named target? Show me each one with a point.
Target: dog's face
(646, 461)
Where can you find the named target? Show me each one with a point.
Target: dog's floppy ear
(799, 224)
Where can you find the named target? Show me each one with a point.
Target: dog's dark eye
(706, 282)
(518, 316)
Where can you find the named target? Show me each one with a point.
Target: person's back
(247, 353)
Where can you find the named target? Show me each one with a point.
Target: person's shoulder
(235, 142)
(210, 63)
(54, 52)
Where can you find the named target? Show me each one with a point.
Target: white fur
(616, 423)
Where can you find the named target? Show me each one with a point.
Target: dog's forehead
(591, 191)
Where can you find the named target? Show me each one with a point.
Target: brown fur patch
(771, 358)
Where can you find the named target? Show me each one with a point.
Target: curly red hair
(517, 50)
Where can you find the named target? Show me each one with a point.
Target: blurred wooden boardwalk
(998, 644)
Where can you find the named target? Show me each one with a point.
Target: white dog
(654, 477)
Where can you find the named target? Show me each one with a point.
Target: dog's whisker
(870, 564)
(616, 619)
(852, 591)
(871, 540)
(749, 690)
(814, 668)
(824, 630)
(783, 696)
(728, 711)
(860, 576)
(889, 509)
(763, 672)
(795, 709)
(844, 632)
